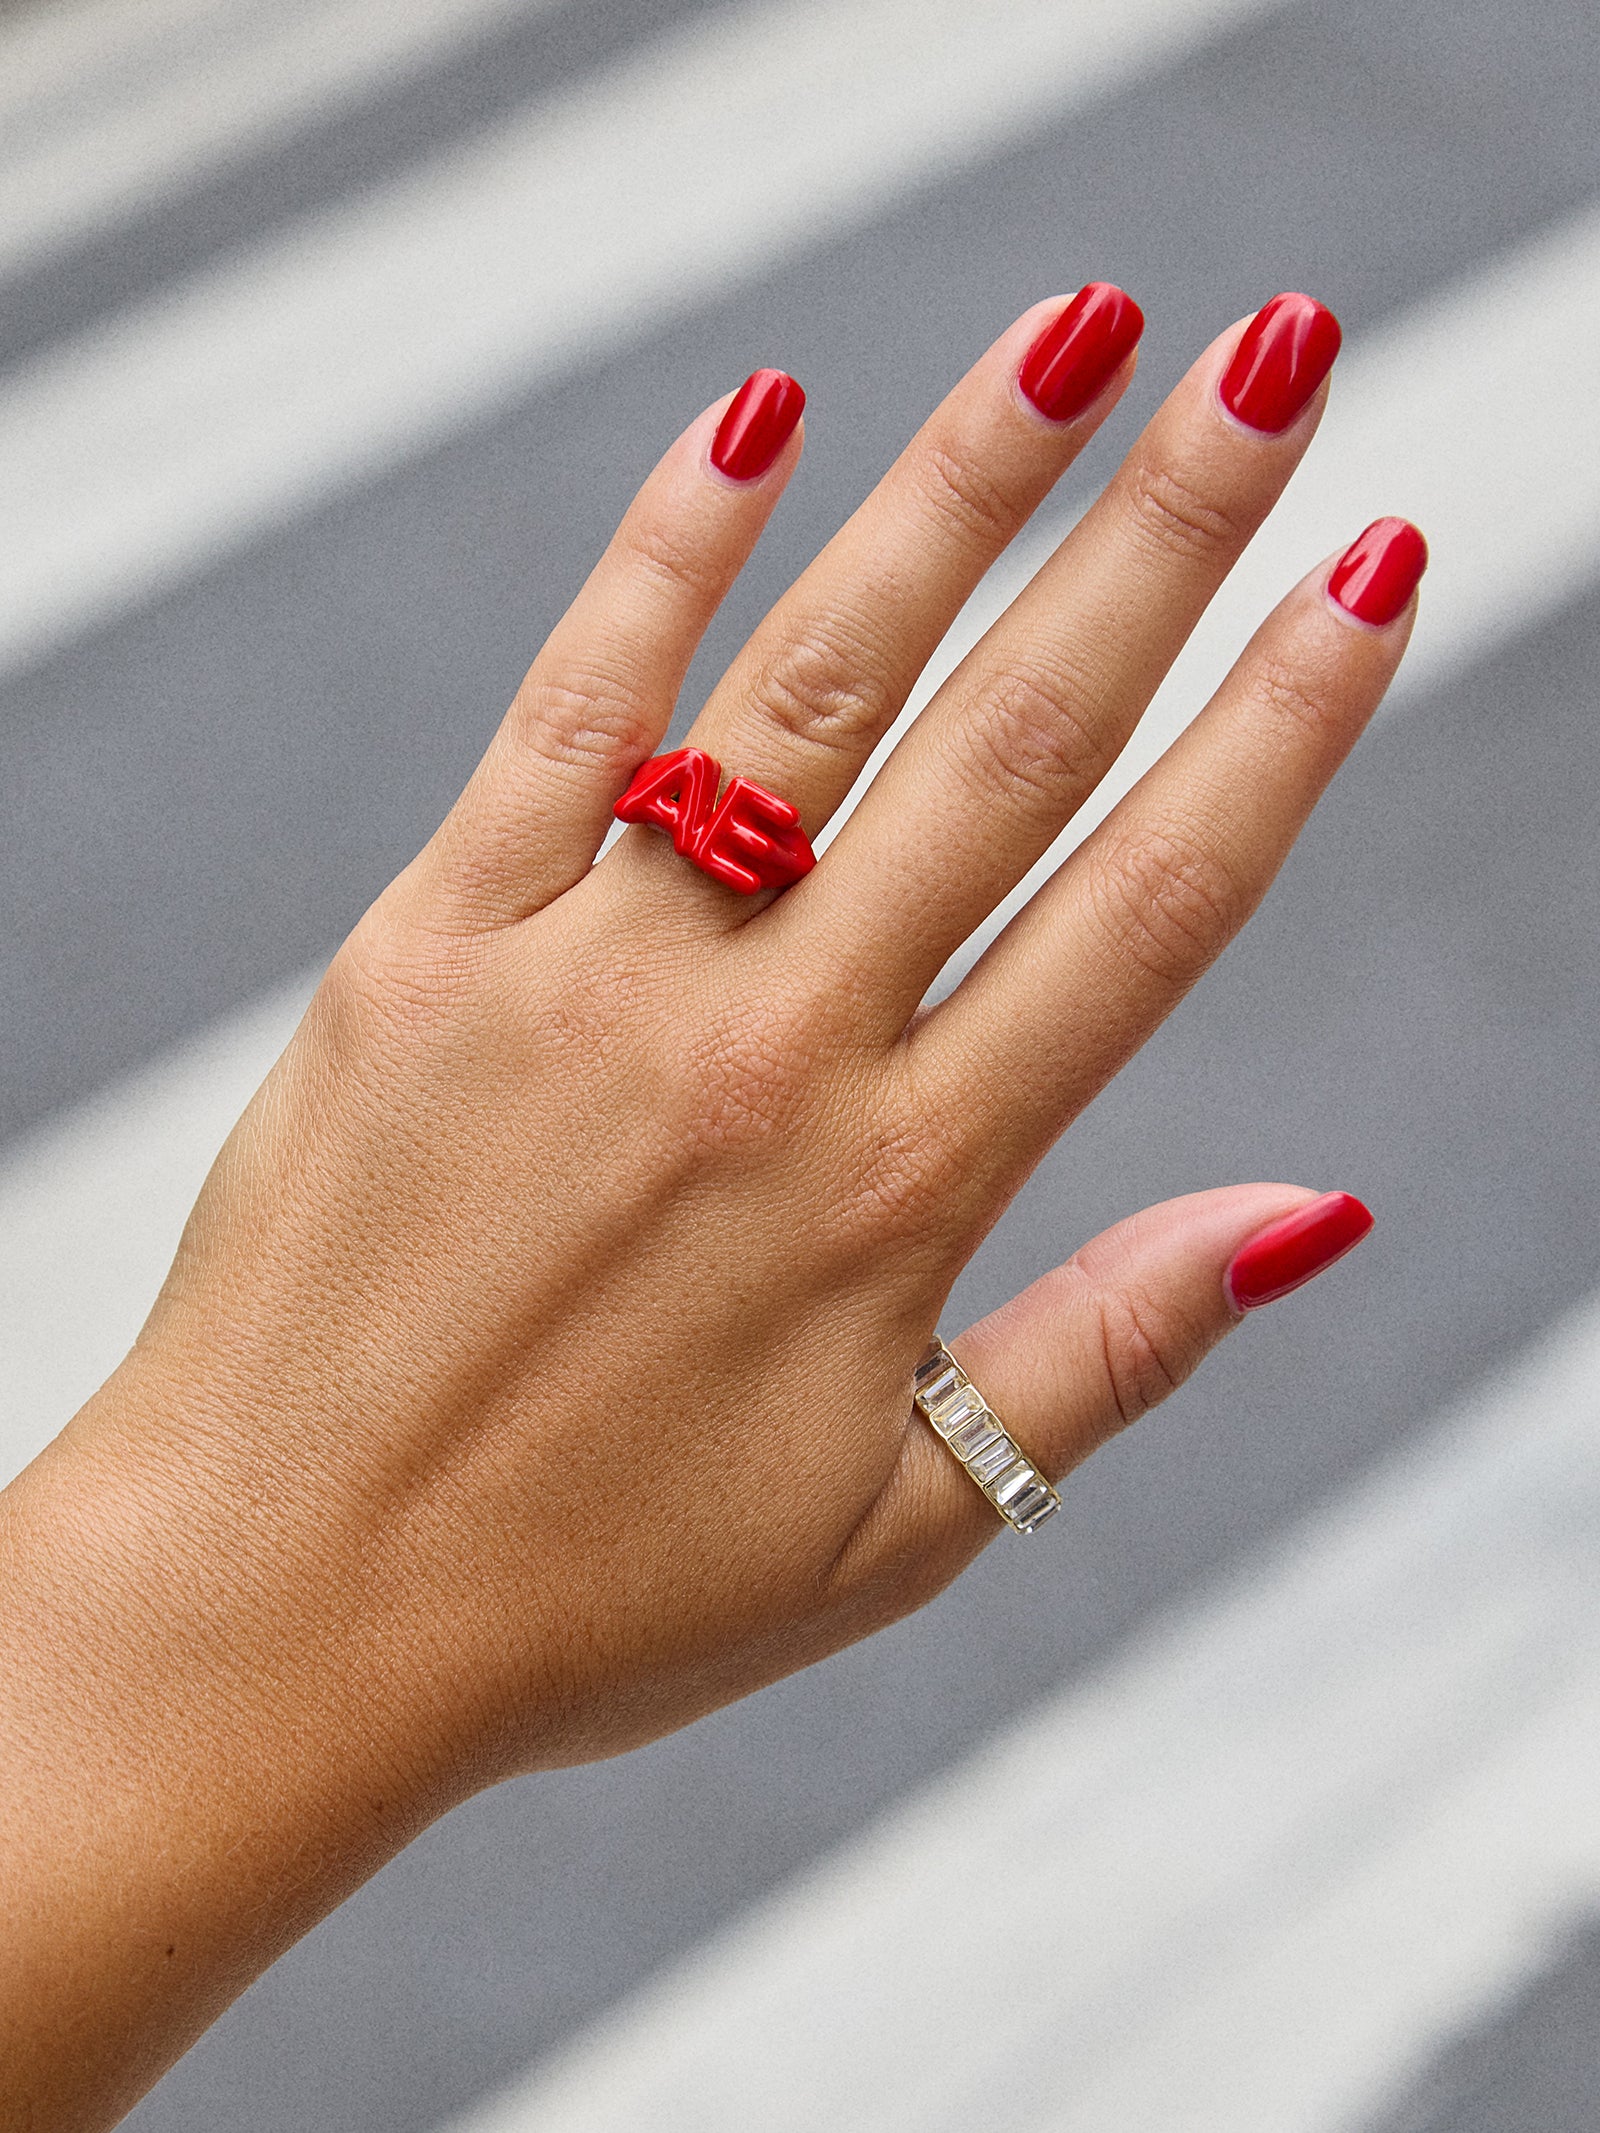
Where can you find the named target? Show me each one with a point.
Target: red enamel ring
(748, 840)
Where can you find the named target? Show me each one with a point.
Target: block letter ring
(748, 840)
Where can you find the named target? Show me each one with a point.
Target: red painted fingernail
(1287, 351)
(1379, 571)
(759, 423)
(1078, 354)
(1289, 1253)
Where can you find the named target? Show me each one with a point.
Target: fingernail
(1289, 1253)
(1287, 351)
(1379, 571)
(1078, 354)
(759, 423)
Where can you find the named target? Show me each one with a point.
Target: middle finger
(806, 701)
(1025, 729)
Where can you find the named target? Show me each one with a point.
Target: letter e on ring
(753, 841)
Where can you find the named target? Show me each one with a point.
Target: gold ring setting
(949, 1401)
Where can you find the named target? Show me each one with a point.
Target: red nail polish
(1287, 351)
(759, 423)
(1078, 354)
(1295, 1250)
(1379, 571)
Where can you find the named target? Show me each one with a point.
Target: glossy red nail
(1287, 351)
(1078, 354)
(1289, 1253)
(1379, 571)
(759, 423)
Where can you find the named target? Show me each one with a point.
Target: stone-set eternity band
(956, 1410)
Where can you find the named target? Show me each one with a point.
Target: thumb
(1098, 1342)
(1095, 1344)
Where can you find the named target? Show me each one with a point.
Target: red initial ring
(749, 839)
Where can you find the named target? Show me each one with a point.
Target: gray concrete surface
(1533, 2068)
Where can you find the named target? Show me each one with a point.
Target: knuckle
(746, 1074)
(1168, 903)
(1294, 699)
(1143, 1353)
(661, 552)
(1030, 737)
(904, 1188)
(582, 719)
(821, 689)
(910, 1188)
(968, 500)
(1177, 518)
(763, 1073)
(395, 981)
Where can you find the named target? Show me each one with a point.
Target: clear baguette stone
(1013, 1483)
(972, 1436)
(964, 1405)
(957, 1412)
(942, 1386)
(992, 1461)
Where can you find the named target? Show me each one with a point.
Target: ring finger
(1108, 947)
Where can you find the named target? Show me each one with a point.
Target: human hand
(535, 1372)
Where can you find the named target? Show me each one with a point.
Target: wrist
(191, 1770)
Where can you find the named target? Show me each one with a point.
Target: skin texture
(534, 1373)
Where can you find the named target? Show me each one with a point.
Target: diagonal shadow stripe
(1240, 1880)
(1535, 2062)
(317, 158)
(344, 343)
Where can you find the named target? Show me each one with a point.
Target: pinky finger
(601, 693)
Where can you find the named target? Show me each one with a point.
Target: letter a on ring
(752, 841)
(675, 793)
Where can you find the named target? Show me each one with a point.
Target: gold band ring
(958, 1413)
